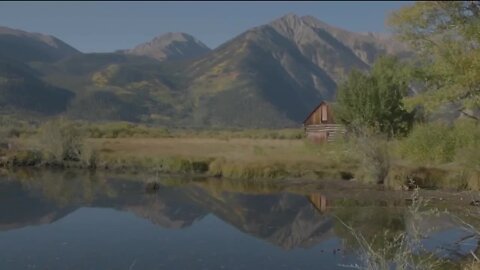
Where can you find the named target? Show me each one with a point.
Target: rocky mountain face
(269, 76)
(276, 73)
(171, 46)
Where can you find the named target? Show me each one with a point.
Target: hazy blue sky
(108, 26)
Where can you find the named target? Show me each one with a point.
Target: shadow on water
(60, 220)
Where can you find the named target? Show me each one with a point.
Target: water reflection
(86, 221)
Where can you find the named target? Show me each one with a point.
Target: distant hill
(171, 46)
(28, 47)
(116, 86)
(22, 91)
(269, 76)
(21, 88)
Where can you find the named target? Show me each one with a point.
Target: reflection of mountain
(169, 208)
(285, 220)
(19, 208)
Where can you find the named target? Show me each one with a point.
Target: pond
(67, 220)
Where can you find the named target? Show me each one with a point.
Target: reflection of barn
(318, 201)
(320, 125)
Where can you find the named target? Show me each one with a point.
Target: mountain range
(268, 76)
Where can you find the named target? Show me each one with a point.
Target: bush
(3, 140)
(61, 140)
(374, 158)
(440, 143)
(89, 156)
(25, 158)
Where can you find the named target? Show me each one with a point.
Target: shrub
(61, 140)
(200, 166)
(25, 158)
(184, 165)
(440, 143)
(3, 140)
(177, 164)
(89, 156)
(374, 158)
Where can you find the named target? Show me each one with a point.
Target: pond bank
(240, 159)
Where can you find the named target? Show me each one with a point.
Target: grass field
(253, 154)
(234, 158)
(238, 157)
(254, 150)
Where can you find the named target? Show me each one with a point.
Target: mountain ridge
(27, 47)
(271, 75)
(170, 46)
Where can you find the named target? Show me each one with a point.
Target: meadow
(432, 156)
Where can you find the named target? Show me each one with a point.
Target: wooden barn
(320, 124)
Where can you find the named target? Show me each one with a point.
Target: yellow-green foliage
(440, 143)
(445, 36)
(103, 77)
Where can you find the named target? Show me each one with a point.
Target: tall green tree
(446, 37)
(375, 101)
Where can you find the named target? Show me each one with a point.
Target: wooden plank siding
(319, 126)
(324, 132)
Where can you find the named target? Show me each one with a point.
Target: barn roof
(316, 108)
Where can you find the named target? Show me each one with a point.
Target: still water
(79, 221)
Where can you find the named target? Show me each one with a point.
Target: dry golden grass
(250, 150)
(231, 158)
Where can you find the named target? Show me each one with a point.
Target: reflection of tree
(378, 225)
(67, 187)
(397, 236)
